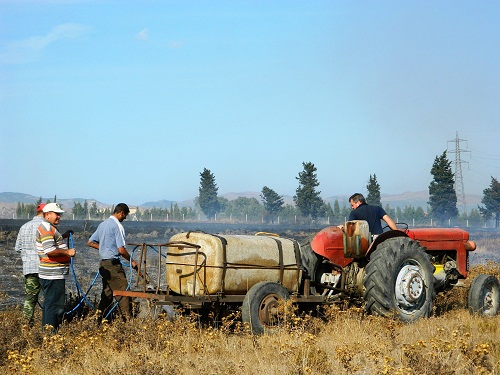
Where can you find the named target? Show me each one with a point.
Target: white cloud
(177, 44)
(142, 35)
(29, 49)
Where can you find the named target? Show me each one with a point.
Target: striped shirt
(49, 239)
(26, 245)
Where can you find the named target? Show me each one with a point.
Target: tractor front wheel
(484, 295)
(399, 280)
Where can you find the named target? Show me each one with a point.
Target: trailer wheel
(484, 295)
(399, 280)
(260, 306)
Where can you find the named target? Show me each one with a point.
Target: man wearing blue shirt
(109, 239)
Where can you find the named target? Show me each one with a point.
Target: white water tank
(231, 264)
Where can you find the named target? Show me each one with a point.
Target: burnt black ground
(87, 259)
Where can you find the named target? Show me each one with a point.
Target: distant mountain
(159, 204)
(253, 194)
(246, 194)
(9, 197)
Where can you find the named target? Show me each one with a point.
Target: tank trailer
(396, 274)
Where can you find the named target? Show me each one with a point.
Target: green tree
(273, 203)
(138, 213)
(94, 211)
(78, 211)
(146, 214)
(307, 199)
(187, 213)
(86, 209)
(25, 211)
(176, 212)
(329, 214)
(243, 209)
(191, 213)
(475, 218)
(156, 214)
(491, 201)
(407, 215)
(373, 187)
(442, 195)
(33, 209)
(207, 198)
(224, 205)
(19, 210)
(289, 214)
(399, 214)
(337, 214)
(390, 211)
(420, 216)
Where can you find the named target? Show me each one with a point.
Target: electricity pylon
(459, 181)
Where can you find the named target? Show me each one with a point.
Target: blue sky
(131, 100)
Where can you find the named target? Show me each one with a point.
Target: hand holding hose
(145, 276)
(134, 264)
(68, 234)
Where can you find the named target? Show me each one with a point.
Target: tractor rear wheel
(484, 295)
(260, 306)
(399, 280)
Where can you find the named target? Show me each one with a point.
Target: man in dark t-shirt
(372, 214)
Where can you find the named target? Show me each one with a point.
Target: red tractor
(398, 272)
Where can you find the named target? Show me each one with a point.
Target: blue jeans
(53, 305)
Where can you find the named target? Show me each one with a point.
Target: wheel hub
(268, 310)
(409, 286)
(488, 301)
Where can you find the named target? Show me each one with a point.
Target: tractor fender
(383, 237)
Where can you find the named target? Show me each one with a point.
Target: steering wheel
(403, 225)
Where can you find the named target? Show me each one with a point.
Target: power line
(459, 181)
(479, 154)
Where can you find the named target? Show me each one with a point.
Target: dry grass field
(345, 342)
(333, 341)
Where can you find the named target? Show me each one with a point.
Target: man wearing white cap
(54, 265)
(26, 246)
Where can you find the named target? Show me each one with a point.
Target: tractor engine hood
(433, 238)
